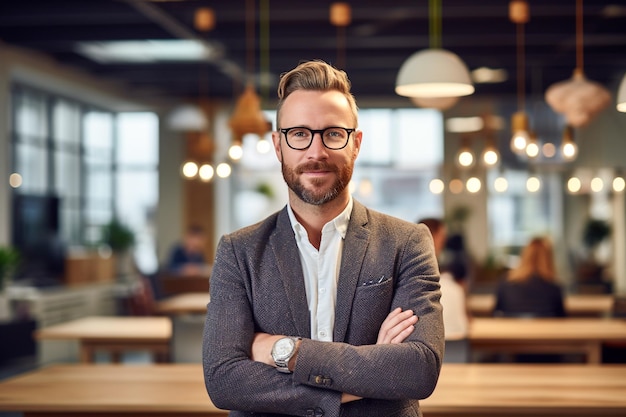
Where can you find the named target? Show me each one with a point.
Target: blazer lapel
(354, 248)
(287, 257)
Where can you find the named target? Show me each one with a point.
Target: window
(93, 163)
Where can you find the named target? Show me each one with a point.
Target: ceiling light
(532, 148)
(484, 75)
(569, 149)
(146, 51)
(190, 169)
(204, 19)
(434, 72)
(597, 184)
(533, 184)
(439, 103)
(574, 185)
(223, 170)
(464, 124)
(621, 96)
(436, 186)
(519, 126)
(500, 184)
(619, 184)
(206, 172)
(578, 99)
(187, 118)
(473, 185)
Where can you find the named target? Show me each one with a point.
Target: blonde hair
(315, 75)
(536, 260)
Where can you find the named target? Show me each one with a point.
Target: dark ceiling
(381, 36)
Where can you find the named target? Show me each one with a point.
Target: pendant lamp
(621, 96)
(434, 72)
(519, 14)
(578, 98)
(248, 117)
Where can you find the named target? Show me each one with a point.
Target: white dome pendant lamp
(434, 72)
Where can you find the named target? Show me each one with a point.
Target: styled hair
(536, 260)
(433, 224)
(314, 75)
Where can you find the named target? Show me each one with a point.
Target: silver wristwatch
(282, 351)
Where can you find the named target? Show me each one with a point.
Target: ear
(358, 137)
(277, 148)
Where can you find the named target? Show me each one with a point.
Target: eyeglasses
(300, 138)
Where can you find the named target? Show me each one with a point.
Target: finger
(402, 329)
(387, 334)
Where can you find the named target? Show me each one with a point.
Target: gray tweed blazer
(257, 285)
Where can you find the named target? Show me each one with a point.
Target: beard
(317, 194)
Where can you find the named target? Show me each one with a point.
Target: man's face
(317, 175)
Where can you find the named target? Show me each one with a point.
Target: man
(187, 257)
(325, 308)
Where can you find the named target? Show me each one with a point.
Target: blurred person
(531, 289)
(453, 294)
(187, 257)
(325, 307)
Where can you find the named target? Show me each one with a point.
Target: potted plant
(591, 270)
(9, 260)
(120, 238)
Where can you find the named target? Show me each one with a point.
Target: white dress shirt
(321, 270)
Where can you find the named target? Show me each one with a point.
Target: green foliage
(118, 236)
(9, 260)
(595, 232)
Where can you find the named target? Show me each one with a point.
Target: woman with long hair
(531, 289)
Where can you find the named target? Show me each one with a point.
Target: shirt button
(323, 333)
(322, 290)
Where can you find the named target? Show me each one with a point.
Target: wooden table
(583, 305)
(189, 303)
(114, 334)
(467, 390)
(562, 335)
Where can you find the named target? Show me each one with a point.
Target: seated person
(187, 258)
(530, 290)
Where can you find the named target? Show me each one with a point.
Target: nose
(317, 149)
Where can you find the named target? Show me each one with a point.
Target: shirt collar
(340, 223)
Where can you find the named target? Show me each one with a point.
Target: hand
(262, 347)
(397, 326)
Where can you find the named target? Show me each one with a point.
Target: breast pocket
(371, 305)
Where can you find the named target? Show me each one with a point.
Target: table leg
(86, 353)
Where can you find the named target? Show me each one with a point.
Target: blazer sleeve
(407, 370)
(232, 379)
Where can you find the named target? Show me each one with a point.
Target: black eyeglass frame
(349, 131)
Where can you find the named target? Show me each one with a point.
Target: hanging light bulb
(436, 186)
(569, 149)
(597, 184)
(490, 155)
(465, 156)
(235, 152)
(190, 169)
(533, 184)
(473, 185)
(519, 125)
(532, 148)
(206, 172)
(500, 184)
(574, 185)
(619, 184)
(223, 170)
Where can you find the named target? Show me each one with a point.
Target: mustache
(315, 166)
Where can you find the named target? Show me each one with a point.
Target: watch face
(283, 348)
